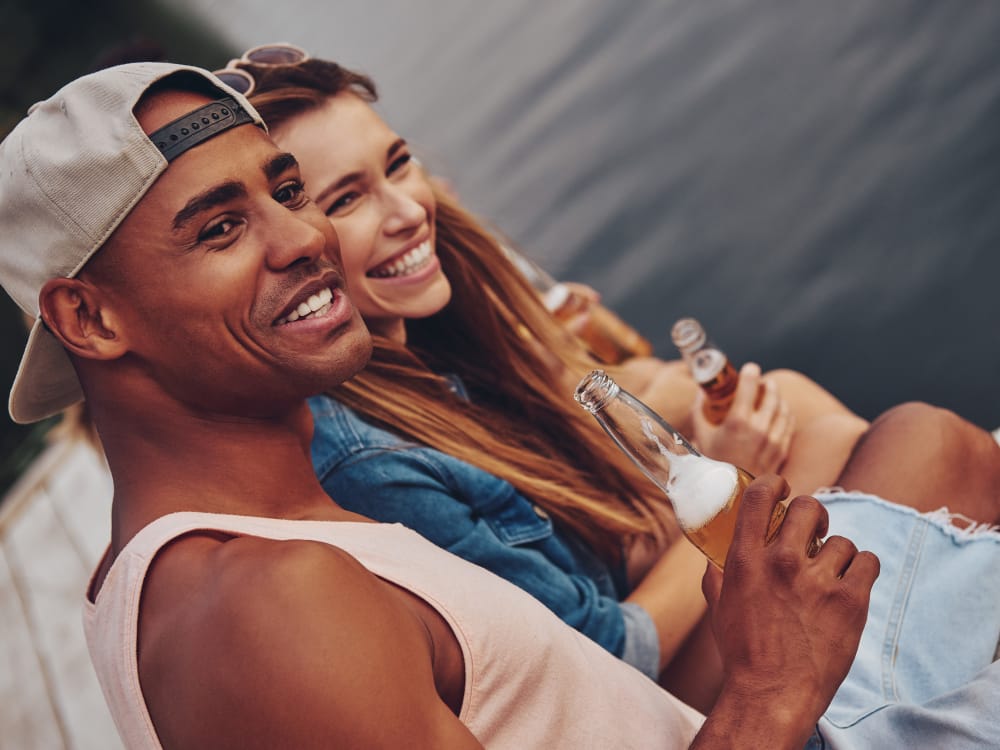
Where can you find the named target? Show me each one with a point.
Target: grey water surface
(817, 181)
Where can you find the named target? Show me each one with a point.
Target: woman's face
(379, 201)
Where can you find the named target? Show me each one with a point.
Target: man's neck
(169, 462)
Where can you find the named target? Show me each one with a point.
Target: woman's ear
(72, 311)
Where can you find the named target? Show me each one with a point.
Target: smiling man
(185, 284)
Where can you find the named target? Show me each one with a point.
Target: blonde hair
(518, 424)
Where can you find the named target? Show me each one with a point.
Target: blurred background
(817, 182)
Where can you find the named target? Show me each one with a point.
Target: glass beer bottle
(607, 336)
(705, 493)
(709, 366)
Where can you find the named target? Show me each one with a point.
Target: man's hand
(787, 625)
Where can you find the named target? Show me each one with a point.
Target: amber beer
(607, 336)
(718, 378)
(715, 535)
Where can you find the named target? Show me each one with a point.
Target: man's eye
(291, 193)
(218, 230)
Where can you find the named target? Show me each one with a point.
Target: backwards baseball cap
(70, 172)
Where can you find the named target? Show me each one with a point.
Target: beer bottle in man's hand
(704, 493)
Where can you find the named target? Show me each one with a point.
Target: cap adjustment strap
(188, 131)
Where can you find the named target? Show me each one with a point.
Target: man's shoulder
(272, 629)
(220, 575)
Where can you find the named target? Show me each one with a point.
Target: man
(163, 241)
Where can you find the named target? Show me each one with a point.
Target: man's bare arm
(286, 644)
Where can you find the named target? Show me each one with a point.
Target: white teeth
(411, 261)
(315, 303)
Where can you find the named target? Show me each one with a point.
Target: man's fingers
(805, 520)
(755, 511)
(837, 554)
(863, 569)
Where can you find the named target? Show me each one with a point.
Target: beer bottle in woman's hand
(709, 366)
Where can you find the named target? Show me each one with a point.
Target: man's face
(229, 279)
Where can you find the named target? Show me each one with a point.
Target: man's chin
(354, 351)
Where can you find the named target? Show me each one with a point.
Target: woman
(462, 426)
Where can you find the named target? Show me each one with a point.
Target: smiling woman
(381, 204)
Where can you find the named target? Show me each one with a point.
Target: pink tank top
(531, 681)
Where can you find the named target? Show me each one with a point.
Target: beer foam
(699, 487)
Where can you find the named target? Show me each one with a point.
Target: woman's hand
(586, 297)
(756, 432)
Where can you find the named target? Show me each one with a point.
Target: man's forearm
(754, 722)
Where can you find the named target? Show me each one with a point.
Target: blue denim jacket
(482, 519)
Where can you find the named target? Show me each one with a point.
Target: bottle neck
(688, 336)
(640, 432)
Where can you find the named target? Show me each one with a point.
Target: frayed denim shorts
(925, 674)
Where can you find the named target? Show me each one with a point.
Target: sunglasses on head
(266, 55)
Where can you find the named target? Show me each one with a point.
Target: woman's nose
(403, 211)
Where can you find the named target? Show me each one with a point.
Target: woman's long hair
(521, 423)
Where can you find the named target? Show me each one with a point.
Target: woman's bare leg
(926, 457)
(819, 450)
(826, 432)
(806, 398)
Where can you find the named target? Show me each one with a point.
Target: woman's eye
(398, 163)
(342, 202)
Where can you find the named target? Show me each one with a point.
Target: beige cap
(70, 172)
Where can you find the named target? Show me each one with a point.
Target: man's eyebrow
(347, 179)
(279, 164)
(228, 191)
(207, 200)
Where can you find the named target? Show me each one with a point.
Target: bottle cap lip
(595, 391)
(556, 297)
(687, 334)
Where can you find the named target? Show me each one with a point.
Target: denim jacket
(482, 519)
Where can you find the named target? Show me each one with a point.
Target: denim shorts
(924, 675)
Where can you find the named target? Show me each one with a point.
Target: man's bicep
(320, 653)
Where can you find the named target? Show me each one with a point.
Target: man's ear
(72, 310)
